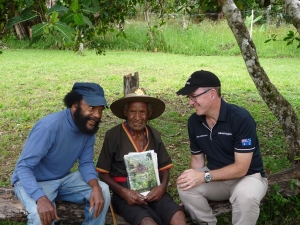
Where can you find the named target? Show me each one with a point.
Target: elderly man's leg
(168, 210)
(75, 189)
(148, 221)
(135, 214)
(246, 197)
(178, 218)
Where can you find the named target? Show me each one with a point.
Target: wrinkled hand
(134, 197)
(156, 193)
(96, 201)
(46, 211)
(190, 178)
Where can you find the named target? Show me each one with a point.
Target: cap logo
(188, 83)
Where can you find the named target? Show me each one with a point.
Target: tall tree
(293, 9)
(277, 104)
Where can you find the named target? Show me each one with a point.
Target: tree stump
(131, 82)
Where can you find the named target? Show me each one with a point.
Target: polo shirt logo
(224, 133)
(200, 136)
(246, 142)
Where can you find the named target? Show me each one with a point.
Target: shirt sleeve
(164, 160)
(194, 148)
(105, 158)
(246, 137)
(35, 148)
(86, 163)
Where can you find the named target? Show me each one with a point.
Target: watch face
(207, 177)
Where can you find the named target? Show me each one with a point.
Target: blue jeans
(70, 188)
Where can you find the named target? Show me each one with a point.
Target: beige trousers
(244, 195)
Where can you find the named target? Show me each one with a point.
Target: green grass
(34, 82)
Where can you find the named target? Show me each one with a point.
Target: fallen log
(12, 210)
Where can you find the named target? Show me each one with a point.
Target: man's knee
(245, 201)
(105, 192)
(184, 194)
(147, 221)
(34, 218)
(178, 218)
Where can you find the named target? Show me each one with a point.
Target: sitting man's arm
(96, 198)
(130, 196)
(46, 210)
(157, 192)
(191, 178)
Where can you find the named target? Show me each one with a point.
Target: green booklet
(142, 171)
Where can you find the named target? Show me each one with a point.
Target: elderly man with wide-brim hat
(134, 135)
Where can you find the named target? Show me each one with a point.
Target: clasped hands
(133, 197)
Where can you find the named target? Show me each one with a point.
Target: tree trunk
(277, 104)
(293, 9)
(131, 82)
(11, 209)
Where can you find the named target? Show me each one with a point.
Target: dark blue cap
(92, 93)
(198, 79)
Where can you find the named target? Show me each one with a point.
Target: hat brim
(187, 90)
(158, 105)
(95, 101)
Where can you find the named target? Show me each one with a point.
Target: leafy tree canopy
(72, 22)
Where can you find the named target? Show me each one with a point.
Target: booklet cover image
(142, 171)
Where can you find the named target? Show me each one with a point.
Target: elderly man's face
(137, 115)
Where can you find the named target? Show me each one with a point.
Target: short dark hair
(218, 90)
(71, 98)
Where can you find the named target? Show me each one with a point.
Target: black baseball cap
(198, 79)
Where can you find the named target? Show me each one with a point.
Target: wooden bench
(11, 209)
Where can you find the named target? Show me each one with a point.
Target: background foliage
(77, 23)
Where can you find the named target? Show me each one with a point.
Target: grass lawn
(34, 82)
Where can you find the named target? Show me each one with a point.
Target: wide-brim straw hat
(138, 95)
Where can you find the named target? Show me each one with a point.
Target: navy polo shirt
(234, 131)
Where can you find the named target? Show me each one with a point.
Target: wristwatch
(207, 176)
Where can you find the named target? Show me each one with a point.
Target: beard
(80, 120)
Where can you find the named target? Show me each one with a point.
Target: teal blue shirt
(53, 146)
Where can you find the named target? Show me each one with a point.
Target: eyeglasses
(194, 98)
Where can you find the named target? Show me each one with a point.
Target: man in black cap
(43, 172)
(226, 163)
